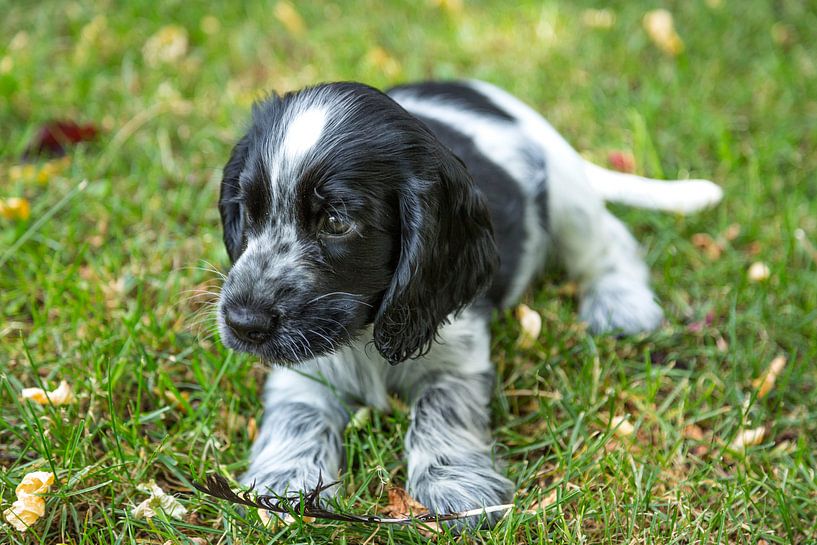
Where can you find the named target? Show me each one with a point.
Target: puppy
(371, 235)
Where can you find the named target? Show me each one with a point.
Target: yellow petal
(598, 18)
(661, 30)
(36, 482)
(61, 396)
(15, 208)
(289, 17)
(25, 512)
(381, 60)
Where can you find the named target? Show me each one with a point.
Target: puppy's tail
(682, 196)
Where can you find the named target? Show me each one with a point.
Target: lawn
(107, 284)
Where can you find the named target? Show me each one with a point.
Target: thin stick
(218, 487)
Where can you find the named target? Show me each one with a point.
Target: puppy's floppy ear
(447, 258)
(232, 221)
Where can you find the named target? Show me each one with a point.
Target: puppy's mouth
(280, 340)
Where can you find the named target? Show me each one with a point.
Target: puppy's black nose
(250, 325)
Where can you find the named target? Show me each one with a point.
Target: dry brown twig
(308, 505)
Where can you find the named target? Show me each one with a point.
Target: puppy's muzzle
(251, 325)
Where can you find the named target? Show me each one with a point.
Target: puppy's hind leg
(597, 249)
(602, 256)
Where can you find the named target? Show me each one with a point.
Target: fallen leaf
(158, 501)
(598, 18)
(805, 243)
(748, 438)
(29, 506)
(700, 325)
(705, 242)
(402, 505)
(621, 426)
(530, 323)
(210, 24)
(361, 417)
(661, 30)
(286, 13)
(758, 272)
(622, 161)
(252, 429)
(61, 396)
(693, 432)
(56, 136)
(15, 208)
(453, 7)
(765, 383)
(167, 46)
(380, 59)
(732, 232)
(544, 503)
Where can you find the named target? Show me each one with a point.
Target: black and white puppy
(371, 236)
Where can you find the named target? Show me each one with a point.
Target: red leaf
(54, 137)
(622, 161)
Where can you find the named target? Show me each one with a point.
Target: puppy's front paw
(616, 303)
(461, 486)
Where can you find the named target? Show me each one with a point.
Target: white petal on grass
(531, 324)
(159, 501)
(621, 426)
(748, 438)
(758, 272)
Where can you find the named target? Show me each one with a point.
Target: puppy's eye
(336, 226)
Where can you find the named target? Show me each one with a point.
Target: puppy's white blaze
(303, 132)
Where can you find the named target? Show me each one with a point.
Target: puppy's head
(341, 210)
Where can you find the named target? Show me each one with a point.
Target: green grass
(95, 287)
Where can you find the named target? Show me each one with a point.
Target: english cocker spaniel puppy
(371, 235)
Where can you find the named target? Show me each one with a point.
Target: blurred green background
(106, 285)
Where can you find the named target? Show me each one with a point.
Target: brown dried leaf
(765, 383)
(708, 245)
(252, 429)
(402, 505)
(544, 503)
(693, 432)
(732, 232)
